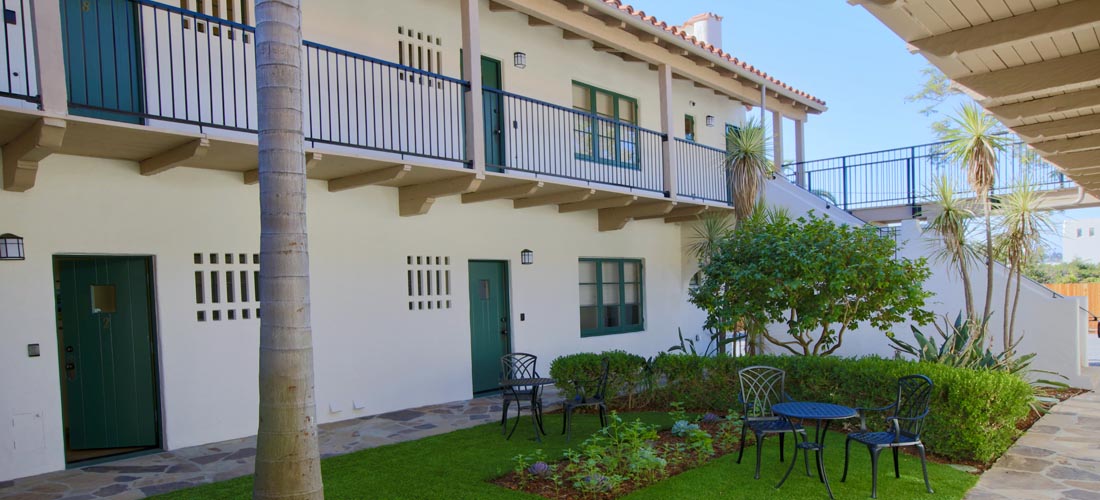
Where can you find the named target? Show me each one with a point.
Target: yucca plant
(974, 139)
(748, 163)
(1022, 224)
(951, 228)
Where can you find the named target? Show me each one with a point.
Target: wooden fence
(1088, 290)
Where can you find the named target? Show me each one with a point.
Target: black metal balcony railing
(701, 172)
(538, 137)
(905, 176)
(21, 78)
(360, 101)
(191, 68)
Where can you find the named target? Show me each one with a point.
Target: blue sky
(839, 53)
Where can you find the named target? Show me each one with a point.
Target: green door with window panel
(489, 321)
(102, 58)
(105, 336)
(494, 114)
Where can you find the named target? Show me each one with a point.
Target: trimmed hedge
(625, 372)
(974, 412)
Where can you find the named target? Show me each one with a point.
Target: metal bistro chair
(583, 400)
(906, 422)
(517, 366)
(762, 387)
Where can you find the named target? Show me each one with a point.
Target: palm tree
(1020, 242)
(288, 462)
(974, 141)
(748, 165)
(951, 226)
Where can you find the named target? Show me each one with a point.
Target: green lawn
(457, 465)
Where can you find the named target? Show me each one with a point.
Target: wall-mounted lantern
(11, 247)
(710, 120)
(519, 59)
(526, 257)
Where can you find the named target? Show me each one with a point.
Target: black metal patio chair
(906, 422)
(762, 387)
(584, 400)
(517, 366)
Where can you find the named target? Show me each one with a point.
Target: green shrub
(973, 416)
(576, 372)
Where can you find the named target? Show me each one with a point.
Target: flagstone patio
(148, 475)
(1059, 457)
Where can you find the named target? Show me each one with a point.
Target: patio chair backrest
(914, 399)
(761, 387)
(518, 365)
(601, 386)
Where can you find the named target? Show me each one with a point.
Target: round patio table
(514, 386)
(822, 414)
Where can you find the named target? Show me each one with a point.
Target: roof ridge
(680, 32)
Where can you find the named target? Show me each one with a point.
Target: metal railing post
(844, 182)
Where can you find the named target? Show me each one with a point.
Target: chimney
(707, 27)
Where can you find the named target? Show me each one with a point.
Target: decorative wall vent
(227, 286)
(429, 282)
(422, 51)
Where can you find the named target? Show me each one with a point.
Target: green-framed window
(612, 139)
(611, 296)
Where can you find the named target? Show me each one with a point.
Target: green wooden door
(489, 322)
(107, 356)
(102, 59)
(494, 114)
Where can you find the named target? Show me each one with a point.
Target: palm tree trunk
(1015, 303)
(288, 463)
(988, 263)
(968, 288)
(1007, 335)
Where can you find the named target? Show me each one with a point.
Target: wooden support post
(175, 156)
(471, 63)
(49, 56)
(368, 178)
(777, 140)
(668, 158)
(800, 152)
(21, 155)
(417, 199)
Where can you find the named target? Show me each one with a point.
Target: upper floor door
(494, 113)
(102, 58)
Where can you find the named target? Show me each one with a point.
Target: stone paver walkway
(158, 473)
(1059, 457)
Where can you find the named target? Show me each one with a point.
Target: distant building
(1080, 240)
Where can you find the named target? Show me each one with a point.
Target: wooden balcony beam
(1078, 69)
(615, 201)
(1020, 28)
(22, 154)
(1063, 103)
(613, 219)
(1057, 128)
(504, 193)
(1083, 142)
(554, 199)
(417, 199)
(353, 181)
(176, 156)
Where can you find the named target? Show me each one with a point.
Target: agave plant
(974, 139)
(748, 163)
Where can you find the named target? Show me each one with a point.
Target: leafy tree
(818, 278)
(1077, 271)
(935, 91)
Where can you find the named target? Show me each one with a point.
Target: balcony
(182, 85)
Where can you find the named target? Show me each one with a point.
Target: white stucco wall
(1081, 240)
(371, 351)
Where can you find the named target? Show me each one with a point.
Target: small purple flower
(539, 469)
(710, 418)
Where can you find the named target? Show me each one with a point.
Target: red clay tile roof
(679, 31)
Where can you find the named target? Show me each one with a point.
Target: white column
(471, 62)
(668, 159)
(49, 55)
(777, 140)
(800, 152)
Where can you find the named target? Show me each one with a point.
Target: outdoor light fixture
(519, 60)
(526, 257)
(710, 120)
(11, 247)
